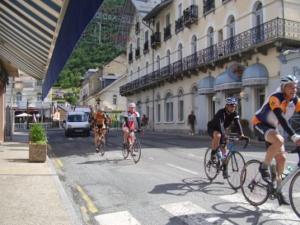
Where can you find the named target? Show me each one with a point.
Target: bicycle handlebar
(236, 138)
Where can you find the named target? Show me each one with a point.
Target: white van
(77, 123)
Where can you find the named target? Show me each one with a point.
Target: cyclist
(217, 126)
(277, 110)
(129, 122)
(99, 124)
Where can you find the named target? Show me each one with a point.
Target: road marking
(90, 205)
(269, 210)
(181, 168)
(58, 162)
(192, 214)
(117, 218)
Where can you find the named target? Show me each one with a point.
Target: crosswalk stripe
(193, 214)
(117, 218)
(271, 210)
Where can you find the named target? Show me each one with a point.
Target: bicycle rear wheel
(211, 168)
(254, 188)
(136, 151)
(101, 147)
(294, 193)
(235, 164)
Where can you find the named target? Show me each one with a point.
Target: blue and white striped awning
(38, 36)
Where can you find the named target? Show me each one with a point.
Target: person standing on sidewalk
(191, 122)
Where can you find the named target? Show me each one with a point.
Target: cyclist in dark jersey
(217, 126)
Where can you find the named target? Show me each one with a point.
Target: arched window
(158, 108)
(158, 62)
(39, 97)
(115, 99)
(210, 36)
(231, 26)
(168, 58)
(180, 52)
(169, 108)
(19, 97)
(257, 22)
(180, 106)
(194, 44)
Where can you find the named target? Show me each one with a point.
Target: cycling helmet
(132, 104)
(231, 101)
(288, 79)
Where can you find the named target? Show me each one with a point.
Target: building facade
(196, 53)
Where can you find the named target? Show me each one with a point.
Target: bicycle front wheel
(254, 188)
(125, 151)
(235, 164)
(294, 193)
(136, 151)
(211, 167)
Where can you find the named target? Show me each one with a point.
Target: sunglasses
(232, 105)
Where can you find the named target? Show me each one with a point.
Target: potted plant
(37, 143)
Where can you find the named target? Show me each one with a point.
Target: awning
(256, 74)
(155, 11)
(38, 36)
(227, 80)
(206, 85)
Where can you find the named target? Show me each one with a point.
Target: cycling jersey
(130, 118)
(277, 110)
(223, 120)
(100, 118)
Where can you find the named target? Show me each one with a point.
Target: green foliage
(37, 134)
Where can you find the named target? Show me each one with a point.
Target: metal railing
(262, 35)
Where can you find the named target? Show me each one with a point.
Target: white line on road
(183, 169)
(192, 214)
(117, 218)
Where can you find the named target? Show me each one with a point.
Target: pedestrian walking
(191, 122)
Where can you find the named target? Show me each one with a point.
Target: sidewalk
(30, 193)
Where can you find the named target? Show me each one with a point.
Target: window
(19, 96)
(180, 106)
(131, 76)
(179, 10)
(114, 99)
(158, 110)
(260, 97)
(179, 51)
(220, 35)
(168, 58)
(194, 98)
(157, 27)
(147, 108)
(158, 62)
(169, 108)
(194, 44)
(231, 32)
(168, 20)
(39, 97)
(210, 36)
(139, 106)
(257, 23)
(138, 72)
(138, 43)
(147, 66)
(146, 36)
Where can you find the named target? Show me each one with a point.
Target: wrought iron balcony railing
(208, 6)
(190, 15)
(155, 40)
(137, 53)
(167, 32)
(179, 25)
(276, 32)
(146, 47)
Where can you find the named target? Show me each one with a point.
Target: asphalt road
(167, 187)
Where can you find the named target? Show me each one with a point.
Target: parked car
(77, 123)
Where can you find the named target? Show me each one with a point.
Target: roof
(154, 12)
(145, 6)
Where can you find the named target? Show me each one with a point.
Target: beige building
(196, 53)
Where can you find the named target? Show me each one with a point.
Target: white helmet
(231, 101)
(132, 105)
(288, 79)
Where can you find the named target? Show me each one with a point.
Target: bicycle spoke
(294, 193)
(234, 168)
(211, 168)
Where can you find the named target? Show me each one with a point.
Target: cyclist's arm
(138, 120)
(126, 121)
(283, 122)
(238, 124)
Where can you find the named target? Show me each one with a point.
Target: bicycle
(101, 141)
(257, 191)
(234, 161)
(133, 147)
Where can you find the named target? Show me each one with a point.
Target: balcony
(167, 32)
(179, 25)
(146, 47)
(278, 33)
(155, 40)
(190, 15)
(130, 57)
(137, 53)
(208, 6)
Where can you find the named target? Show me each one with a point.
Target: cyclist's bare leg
(277, 145)
(216, 140)
(280, 165)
